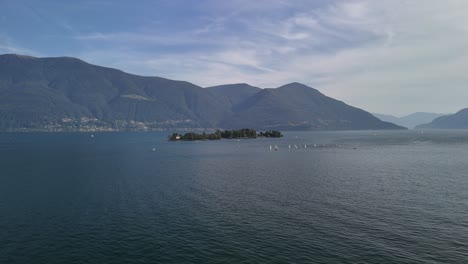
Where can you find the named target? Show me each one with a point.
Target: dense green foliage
(194, 136)
(228, 134)
(242, 133)
(271, 133)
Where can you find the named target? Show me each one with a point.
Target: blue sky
(387, 56)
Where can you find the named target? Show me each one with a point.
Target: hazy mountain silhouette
(38, 92)
(458, 120)
(411, 120)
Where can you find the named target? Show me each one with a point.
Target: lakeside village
(226, 134)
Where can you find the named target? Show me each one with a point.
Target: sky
(386, 56)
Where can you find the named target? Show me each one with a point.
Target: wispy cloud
(372, 54)
(8, 46)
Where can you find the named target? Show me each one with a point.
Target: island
(227, 134)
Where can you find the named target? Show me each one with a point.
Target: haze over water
(357, 197)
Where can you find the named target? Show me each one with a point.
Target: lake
(339, 197)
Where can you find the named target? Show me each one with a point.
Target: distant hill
(67, 94)
(410, 121)
(458, 120)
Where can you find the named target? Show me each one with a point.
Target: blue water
(356, 197)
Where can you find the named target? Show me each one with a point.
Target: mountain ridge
(58, 93)
(411, 120)
(459, 120)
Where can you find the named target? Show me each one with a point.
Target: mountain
(410, 121)
(297, 106)
(458, 120)
(37, 91)
(388, 118)
(234, 93)
(68, 94)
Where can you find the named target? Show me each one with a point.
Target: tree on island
(271, 133)
(228, 134)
